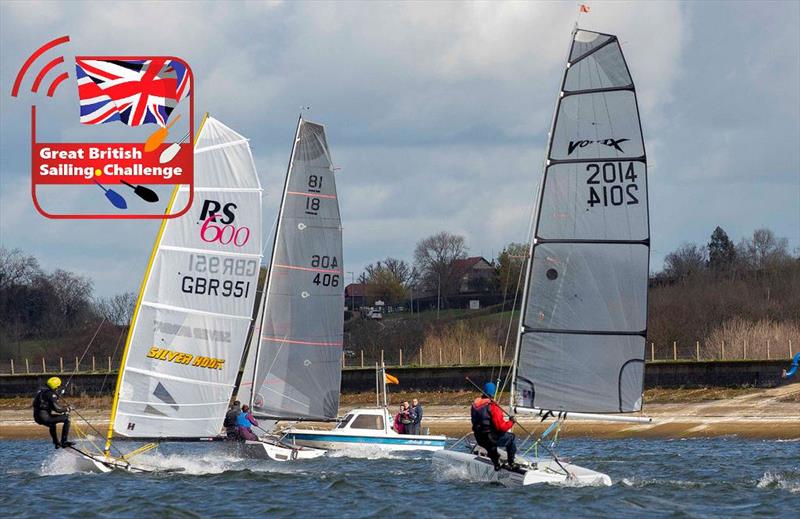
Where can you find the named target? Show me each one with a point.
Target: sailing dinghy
(194, 309)
(581, 343)
(293, 368)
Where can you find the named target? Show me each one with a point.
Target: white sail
(582, 340)
(191, 321)
(294, 372)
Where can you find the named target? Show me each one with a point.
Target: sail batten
(293, 370)
(193, 313)
(581, 341)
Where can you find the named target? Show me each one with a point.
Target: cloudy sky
(437, 113)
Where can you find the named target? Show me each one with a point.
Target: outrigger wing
(191, 320)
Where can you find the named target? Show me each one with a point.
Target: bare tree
(117, 309)
(73, 293)
(687, 260)
(764, 250)
(17, 268)
(434, 257)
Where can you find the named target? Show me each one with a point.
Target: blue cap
(490, 389)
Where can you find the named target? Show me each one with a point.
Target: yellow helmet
(54, 383)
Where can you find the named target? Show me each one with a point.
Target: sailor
(244, 421)
(492, 429)
(47, 411)
(230, 421)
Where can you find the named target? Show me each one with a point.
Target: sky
(436, 113)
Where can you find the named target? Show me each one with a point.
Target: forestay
(582, 340)
(297, 368)
(190, 326)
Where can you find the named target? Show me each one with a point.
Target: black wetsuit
(231, 429)
(47, 411)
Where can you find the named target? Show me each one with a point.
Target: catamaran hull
(534, 471)
(101, 464)
(267, 450)
(329, 440)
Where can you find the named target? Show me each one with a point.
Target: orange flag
(391, 379)
(584, 8)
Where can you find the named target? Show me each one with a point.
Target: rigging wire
(85, 351)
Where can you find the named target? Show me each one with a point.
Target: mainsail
(293, 370)
(582, 337)
(190, 323)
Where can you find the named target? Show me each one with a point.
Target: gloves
(512, 418)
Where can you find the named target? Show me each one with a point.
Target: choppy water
(721, 477)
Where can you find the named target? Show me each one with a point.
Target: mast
(272, 259)
(532, 232)
(137, 307)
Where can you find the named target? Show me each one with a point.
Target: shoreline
(748, 413)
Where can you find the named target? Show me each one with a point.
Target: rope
(84, 353)
(113, 358)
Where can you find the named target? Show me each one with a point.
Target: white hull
(384, 442)
(532, 472)
(266, 449)
(102, 464)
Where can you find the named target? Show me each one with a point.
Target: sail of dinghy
(293, 370)
(581, 342)
(193, 313)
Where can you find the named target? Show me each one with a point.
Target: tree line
(55, 311)
(437, 270)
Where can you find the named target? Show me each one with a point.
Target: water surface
(720, 477)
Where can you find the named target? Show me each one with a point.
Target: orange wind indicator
(158, 136)
(584, 8)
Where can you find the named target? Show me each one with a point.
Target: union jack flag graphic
(135, 92)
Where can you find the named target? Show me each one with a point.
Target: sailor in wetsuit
(492, 429)
(230, 422)
(48, 412)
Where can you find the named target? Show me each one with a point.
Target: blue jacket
(418, 413)
(245, 420)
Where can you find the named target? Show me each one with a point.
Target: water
(720, 477)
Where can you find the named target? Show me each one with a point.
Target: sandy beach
(752, 413)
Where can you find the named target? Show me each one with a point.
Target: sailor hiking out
(244, 421)
(230, 422)
(49, 412)
(492, 429)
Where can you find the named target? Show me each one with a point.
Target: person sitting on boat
(48, 412)
(399, 428)
(407, 419)
(417, 408)
(244, 421)
(491, 428)
(230, 423)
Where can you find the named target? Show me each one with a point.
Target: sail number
(612, 183)
(326, 280)
(326, 262)
(314, 183)
(214, 265)
(312, 205)
(226, 266)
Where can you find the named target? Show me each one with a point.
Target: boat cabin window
(368, 421)
(344, 422)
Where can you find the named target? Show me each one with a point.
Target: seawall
(672, 374)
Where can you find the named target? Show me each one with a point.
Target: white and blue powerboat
(370, 428)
